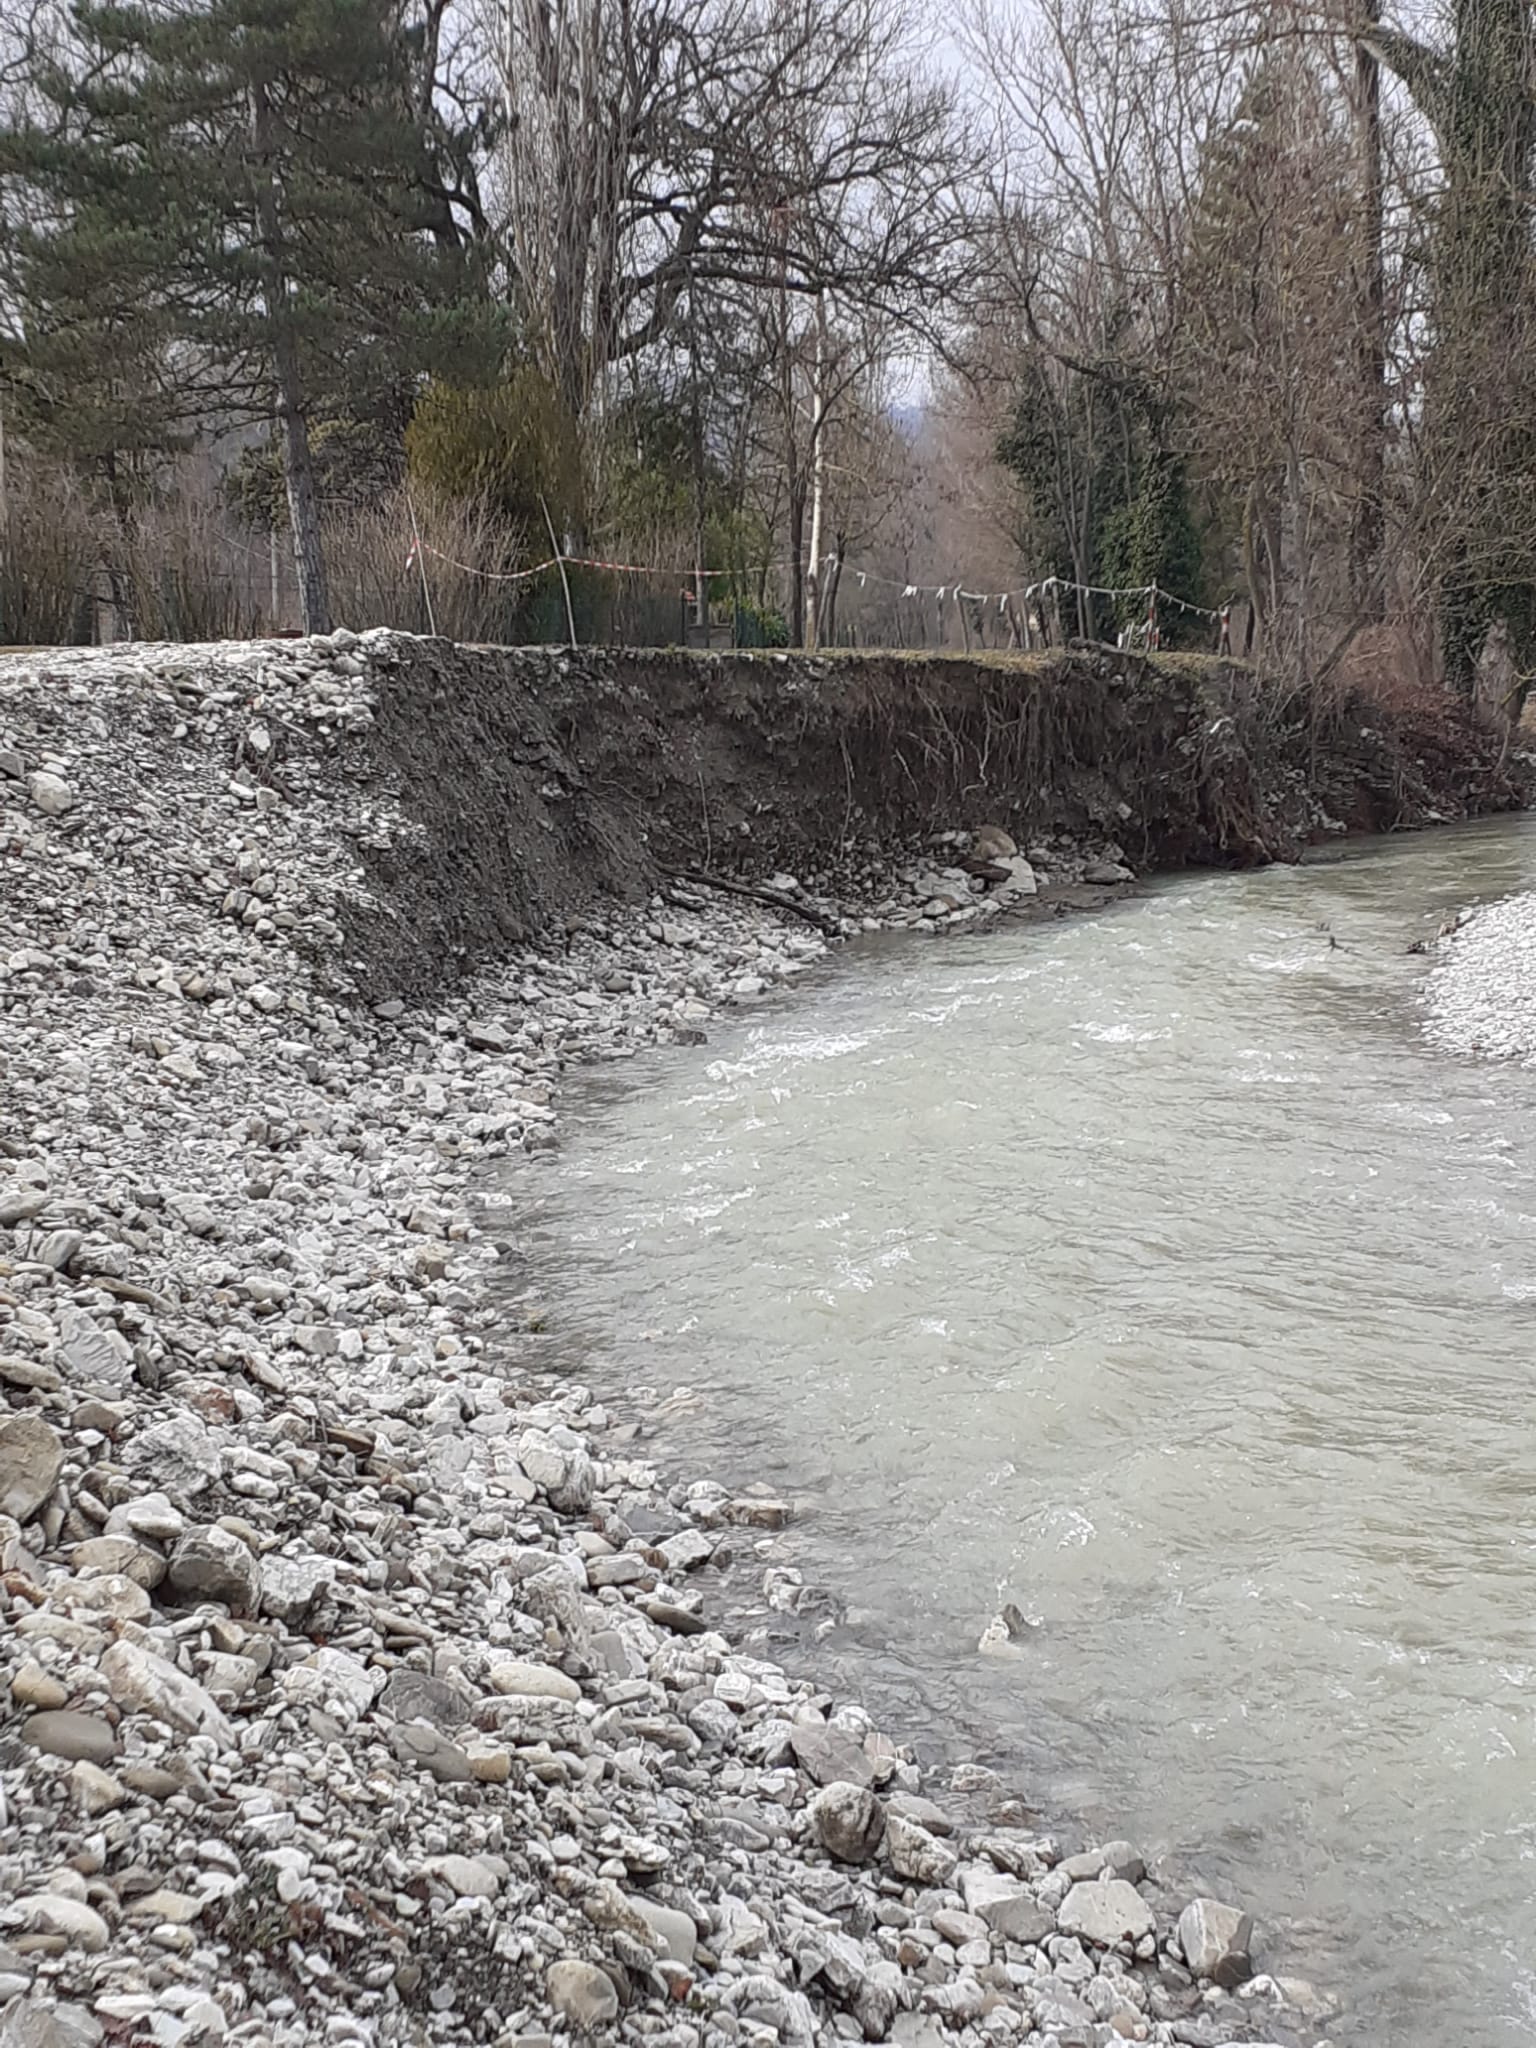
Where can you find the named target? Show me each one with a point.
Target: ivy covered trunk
(298, 463)
(1481, 433)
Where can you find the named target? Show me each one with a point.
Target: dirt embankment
(543, 780)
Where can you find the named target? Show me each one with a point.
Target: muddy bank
(540, 781)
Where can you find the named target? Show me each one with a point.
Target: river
(1151, 1271)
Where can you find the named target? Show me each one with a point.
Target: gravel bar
(358, 1682)
(1481, 994)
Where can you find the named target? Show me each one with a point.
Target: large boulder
(1216, 1940)
(915, 1854)
(1106, 1912)
(581, 1993)
(829, 1756)
(31, 1458)
(849, 1822)
(213, 1564)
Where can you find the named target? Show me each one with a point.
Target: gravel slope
(1481, 994)
(357, 1683)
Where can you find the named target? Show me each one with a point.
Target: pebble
(582, 1993)
(533, 1681)
(79, 1737)
(95, 1790)
(830, 1756)
(140, 1678)
(465, 1876)
(31, 1686)
(72, 1920)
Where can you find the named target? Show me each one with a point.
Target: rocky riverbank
(356, 1684)
(1480, 988)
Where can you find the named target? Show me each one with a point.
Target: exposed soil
(545, 779)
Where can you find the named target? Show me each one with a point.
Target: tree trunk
(298, 467)
(796, 562)
(119, 582)
(828, 629)
(818, 478)
(1478, 426)
(1367, 584)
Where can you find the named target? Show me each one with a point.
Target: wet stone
(829, 1756)
(849, 1822)
(1216, 1940)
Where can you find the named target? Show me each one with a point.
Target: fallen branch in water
(776, 899)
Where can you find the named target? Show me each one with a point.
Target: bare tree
(779, 159)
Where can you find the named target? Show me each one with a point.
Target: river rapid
(1151, 1271)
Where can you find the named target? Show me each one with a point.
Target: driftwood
(776, 899)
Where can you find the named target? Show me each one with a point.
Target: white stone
(1216, 1940)
(1106, 1912)
(849, 1822)
(51, 794)
(914, 1853)
(52, 1913)
(520, 1680)
(581, 1993)
(328, 1678)
(31, 1458)
(138, 1678)
(467, 1877)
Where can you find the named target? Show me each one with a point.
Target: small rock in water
(1216, 1940)
(829, 1756)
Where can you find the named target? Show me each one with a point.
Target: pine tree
(243, 190)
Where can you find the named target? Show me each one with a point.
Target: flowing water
(1151, 1271)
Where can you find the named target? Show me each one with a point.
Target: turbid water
(1151, 1271)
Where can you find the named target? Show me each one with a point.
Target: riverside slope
(358, 1678)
